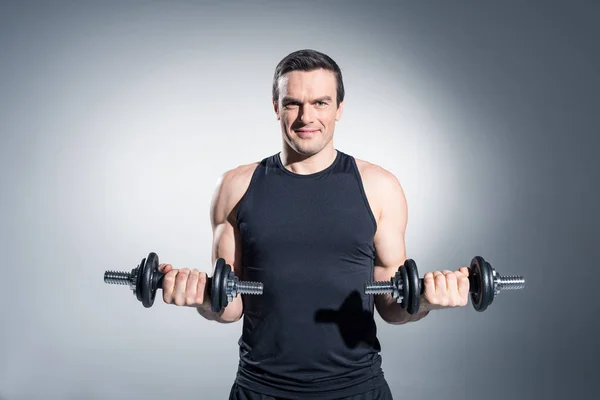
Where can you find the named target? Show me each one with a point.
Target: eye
(321, 104)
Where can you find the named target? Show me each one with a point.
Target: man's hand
(183, 287)
(446, 288)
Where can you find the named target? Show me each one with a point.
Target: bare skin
(308, 111)
(185, 287)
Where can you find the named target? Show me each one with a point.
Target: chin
(307, 149)
(304, 151)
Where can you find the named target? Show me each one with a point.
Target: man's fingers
(164, 268)
(440, 283)
(183, 287)
(429, 283)
(463, 287)
(191, 289)
(200, 288)
(452, 285)
(168, 286)
(180, 286)
(447, 288)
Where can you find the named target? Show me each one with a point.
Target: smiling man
(313, 224)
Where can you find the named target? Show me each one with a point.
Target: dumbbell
(484, 285)
(145, 279)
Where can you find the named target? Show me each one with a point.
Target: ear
(340, 110)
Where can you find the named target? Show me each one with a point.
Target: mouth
(304, 133)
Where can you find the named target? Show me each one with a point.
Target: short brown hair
(308, 60)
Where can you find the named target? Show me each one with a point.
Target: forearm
(393, 313)
(231, 313)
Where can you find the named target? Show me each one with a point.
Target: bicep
(226, 245)
(390, 248)
(226, 238)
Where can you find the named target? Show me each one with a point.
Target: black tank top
(309, 239)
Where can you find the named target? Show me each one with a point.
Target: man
(313, 224)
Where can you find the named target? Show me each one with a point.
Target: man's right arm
(226, 239)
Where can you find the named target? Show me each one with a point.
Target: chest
(330, 215)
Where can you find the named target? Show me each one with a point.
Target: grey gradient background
(117, 118)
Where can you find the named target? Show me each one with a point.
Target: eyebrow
(288, 99)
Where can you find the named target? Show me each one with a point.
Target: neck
(305, 165)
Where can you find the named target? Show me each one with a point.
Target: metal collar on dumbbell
(232, 282)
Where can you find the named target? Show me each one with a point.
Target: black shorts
(240, 393)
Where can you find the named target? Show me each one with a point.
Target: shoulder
(382, 187)
(377, 177)
(230, 188)
(237, 179)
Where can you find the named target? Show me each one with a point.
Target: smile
(304, 133)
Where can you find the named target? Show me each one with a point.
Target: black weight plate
(224, 278)
(488, 293)
(488, 266)
(475, 281)
(484, 290)
(154, 274)
(215, 295)
(414, 300)
(148, 293)
(138, 280)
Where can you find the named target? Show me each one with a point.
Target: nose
(305, 115)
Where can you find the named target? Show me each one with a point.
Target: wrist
(425, 306)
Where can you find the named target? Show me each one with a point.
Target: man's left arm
(443, 289)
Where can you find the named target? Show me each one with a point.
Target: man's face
(307, 109)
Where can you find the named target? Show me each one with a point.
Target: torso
(310, 240)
